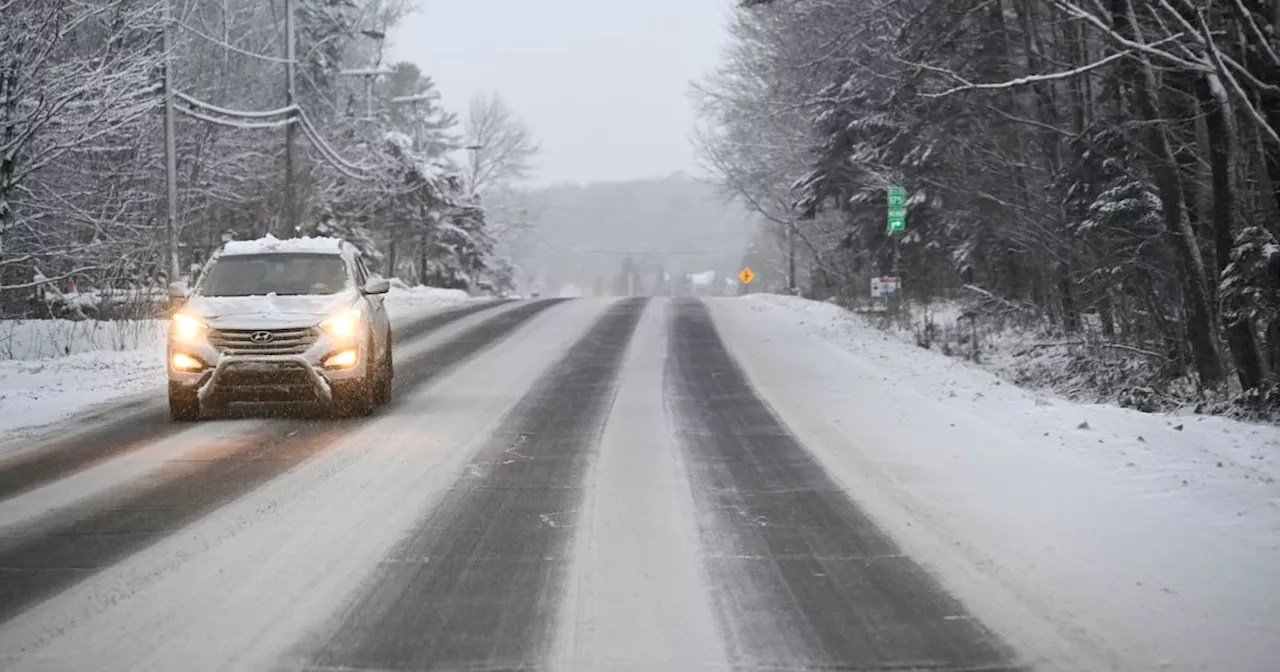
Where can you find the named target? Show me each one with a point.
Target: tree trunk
(1070, 314)
(8, 132)
(9, 274)
(1269, 210)
(791, 258)
(1273, 348)
(1199, 312)
(392, 257)
(422, 265)
(1106, 314)
(1240, 339)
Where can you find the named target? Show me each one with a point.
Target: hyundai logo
(262, 337)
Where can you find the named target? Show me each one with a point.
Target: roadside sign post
(897, 223)
(746, 276)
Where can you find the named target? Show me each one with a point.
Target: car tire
(357, 398)
(385, 378)
(184, 405)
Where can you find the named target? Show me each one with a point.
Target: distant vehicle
(281, 321)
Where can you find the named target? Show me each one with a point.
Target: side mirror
(178, 290)
(377, 286)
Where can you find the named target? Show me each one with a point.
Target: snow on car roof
(272, 244)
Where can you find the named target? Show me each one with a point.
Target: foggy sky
(602, 83)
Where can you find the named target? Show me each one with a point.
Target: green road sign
(897, 220)
(897, 198)
(897, 209)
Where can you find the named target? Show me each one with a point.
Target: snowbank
(1155, 538)
(403, 299)
(41, 339)
(51, 369)
(35, 393)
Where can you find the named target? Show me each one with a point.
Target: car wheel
(385, 378)
(184, 405)
(356, 398)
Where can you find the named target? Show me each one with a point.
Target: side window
(364, 271)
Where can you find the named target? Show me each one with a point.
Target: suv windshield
(283, 274)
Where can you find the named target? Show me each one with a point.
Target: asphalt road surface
(559, 485)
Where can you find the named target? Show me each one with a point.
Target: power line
(332, 159)
(236, 123)
(264, 119)
(209, 107)
(249, 120)
(315, 88)
(329, 153)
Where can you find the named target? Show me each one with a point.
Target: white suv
(288, 321)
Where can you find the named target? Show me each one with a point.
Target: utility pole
(417, 127)
(290, 193)
(370, 73)
(412, 101)
(791, 257)
(475, 166)
(379, 37)
(170, 149)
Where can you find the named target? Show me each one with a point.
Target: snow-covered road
(601, 484)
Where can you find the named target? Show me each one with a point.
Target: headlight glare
(343, 325)
(343, 360)
(181, 361)
(186, 327)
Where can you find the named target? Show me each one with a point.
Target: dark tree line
(1111, 166)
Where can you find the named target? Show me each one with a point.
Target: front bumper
(275, 378)
(260, 378)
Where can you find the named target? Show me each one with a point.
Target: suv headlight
(343, 325)
(186, 328)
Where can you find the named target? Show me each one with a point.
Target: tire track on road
(433, 321)
(802, 578)
(477, 585)
(70, 545)
(62, 457)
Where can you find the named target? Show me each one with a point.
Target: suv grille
(254, 341)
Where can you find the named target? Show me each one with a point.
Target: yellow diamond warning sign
(746, 276)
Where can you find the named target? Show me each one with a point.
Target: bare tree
(75, 94)
(82, 186)
(501, 147)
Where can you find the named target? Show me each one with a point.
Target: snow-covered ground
(1087, 547)
(1151, 538)
(38, 392)
(53, 369)
(1084, 366)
